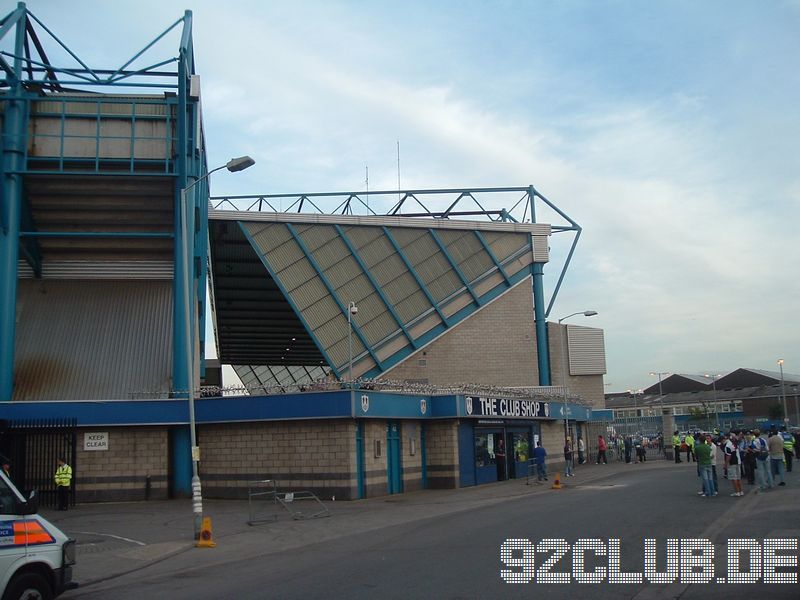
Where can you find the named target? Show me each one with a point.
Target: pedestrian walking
(540, 460)
(601, 450)
(775, 444)
(581, 451)
(748, 457)
(628, 445)
(568, 458)
(63, 479)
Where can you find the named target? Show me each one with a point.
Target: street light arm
(585, 313)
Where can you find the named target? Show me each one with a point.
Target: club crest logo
(423, 406)
(364, 403)
(469, 405)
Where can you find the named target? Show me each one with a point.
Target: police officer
(788, 447)
(63, 479)
(676, 446)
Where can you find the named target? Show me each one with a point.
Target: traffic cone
(205, 540)
(557, 482)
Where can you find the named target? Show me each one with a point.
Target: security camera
(353, 309)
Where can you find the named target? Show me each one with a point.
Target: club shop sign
(475, 406)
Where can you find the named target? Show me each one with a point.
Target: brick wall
(496, 346)
(318, 456)
(441, 446)
(121, 472)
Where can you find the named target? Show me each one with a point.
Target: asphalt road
(458, 555)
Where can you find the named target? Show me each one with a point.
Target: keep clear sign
(96, 440)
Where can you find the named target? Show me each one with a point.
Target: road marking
(116, 537)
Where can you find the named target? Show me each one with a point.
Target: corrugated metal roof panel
(316, 236)
(587, 351)
(541, 248)
(118, 269)
(321, 312)
(92, 340)
(308, 293)
(412, 306)
(504, 245)
(345, 269)
(283, 255)
(364, 236)
(297, 274)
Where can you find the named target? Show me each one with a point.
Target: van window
(8, 499)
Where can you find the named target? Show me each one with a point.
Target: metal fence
(33, 447)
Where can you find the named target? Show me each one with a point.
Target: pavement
(114, 539)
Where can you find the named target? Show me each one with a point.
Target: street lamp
(585, 313)
(660, 393)
(783, 394)
(636, 415)
(714, 387)
(352, 310)
(233, 165)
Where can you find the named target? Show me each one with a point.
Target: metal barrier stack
(266, 491)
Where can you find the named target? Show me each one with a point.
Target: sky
(668, 130)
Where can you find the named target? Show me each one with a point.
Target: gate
(33, 447)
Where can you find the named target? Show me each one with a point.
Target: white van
(35, 557)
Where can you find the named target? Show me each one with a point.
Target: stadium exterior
(107, 230)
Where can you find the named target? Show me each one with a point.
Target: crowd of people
(761, 458)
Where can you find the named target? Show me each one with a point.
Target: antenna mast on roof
(366, 168)
(398, 170)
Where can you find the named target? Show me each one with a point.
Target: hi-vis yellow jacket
(63, 475)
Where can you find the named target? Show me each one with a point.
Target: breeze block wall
(412, 463)
(315, 455)
(441, 445)
(135, 456)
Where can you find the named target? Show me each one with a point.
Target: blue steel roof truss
(288, 298)
(454, 266)
(332, 291)
(518, 213)
(496, 262)
(415, 275)
(376, 287)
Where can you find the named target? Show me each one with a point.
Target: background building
(743, 398)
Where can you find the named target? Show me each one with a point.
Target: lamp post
(585, 313)
(660, 392)
(233, 165)
(352, 310)
(714, 387)
(636, 415)
(783, 395)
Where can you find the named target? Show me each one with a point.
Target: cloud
(683, 173)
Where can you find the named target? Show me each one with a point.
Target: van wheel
(28, 586)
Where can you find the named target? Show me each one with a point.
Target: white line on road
(116, 537)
